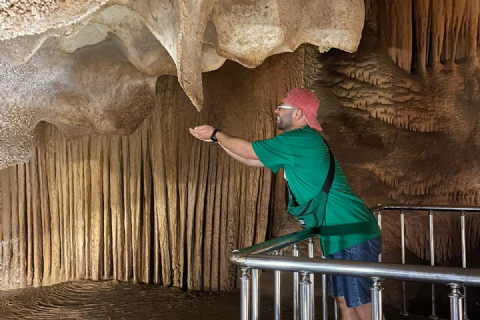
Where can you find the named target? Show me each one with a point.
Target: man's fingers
(200, 132)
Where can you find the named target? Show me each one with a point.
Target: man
(348, 230)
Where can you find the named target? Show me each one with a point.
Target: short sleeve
(273, 153)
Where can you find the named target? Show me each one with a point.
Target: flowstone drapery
(156, 206)
(91, 66)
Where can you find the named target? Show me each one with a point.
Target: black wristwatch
(213, 137)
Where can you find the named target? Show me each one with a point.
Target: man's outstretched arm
(237, 146)
(248, 162)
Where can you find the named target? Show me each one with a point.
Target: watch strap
(213, 137)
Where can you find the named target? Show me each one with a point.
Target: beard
(285, 123)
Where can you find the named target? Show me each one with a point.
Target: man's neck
(295, 128)
(299, 126)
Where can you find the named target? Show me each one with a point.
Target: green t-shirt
(304, 156)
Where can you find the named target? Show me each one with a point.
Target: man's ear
(299, 114)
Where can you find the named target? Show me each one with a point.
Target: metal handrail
(420, 273)
(255, 258)
(461, 210)
(381, 207)
(281, 242)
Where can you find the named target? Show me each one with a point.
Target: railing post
(296, 311)
(464, 262)
(404, 298)
(376, 288)
(433, 316)
(245, 291)
(379, 220)
(456, 305)
(278, 302)
(311, 252)
(255, 294)
(305, 312)
(324, 295)
(335, 310)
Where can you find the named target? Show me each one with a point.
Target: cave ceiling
(91, 66)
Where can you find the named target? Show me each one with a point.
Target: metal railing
(431, 209)
(256, 258)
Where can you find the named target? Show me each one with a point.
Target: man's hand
(238, 146)
(203, 132)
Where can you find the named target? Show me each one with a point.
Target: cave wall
(156, 206)
(402, 114)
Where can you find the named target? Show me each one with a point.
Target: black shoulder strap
(331, 172)
(327, 185)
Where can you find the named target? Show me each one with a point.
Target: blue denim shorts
(355, 290)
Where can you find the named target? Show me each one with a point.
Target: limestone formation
(156, 206)
(90, 66)
(406, 104)
(401, 115)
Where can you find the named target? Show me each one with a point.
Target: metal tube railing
(278, 298)
(245, 292)
(296, 310)
(420, 273)
(324, 295)
(456, 298)
(255, 294)
(311, 252)
(415, 207)
(433, 316)
(454, 277)
(280, 243)
(377, 299)
(440, 209)
(404, 296)
(253, 259)
(464, 261)
(305, 285)
(379, 221)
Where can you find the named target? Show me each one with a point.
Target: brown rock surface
(90, 66)
(414, 131)
(155, 206)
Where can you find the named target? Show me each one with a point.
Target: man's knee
(341, 303)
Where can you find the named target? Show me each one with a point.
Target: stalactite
(396, 31)
(441, 31)
(421, 19)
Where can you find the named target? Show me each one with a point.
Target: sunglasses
(285, 107)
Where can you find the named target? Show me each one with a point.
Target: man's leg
(356, 290)
(346, 313)
(367, 252)
(364, 312)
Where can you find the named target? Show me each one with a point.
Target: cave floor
(120, 300)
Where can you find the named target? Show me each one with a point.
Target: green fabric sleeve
(274, 153)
